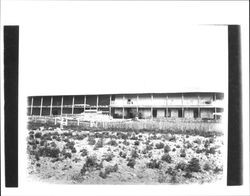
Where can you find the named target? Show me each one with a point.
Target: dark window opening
(196, 113)
(179, 113)
(169, 113)
(154, 113)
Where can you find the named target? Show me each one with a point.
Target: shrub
(91, 141)
(136, 143)
(207, 167)
(123, 154)
(166, 157)
(38, 135)
(181, 165)
(108, 157)
(49, 152)
(134, 154)
(173, 174)
(84, 152)
(173, 149)
(79, 137)
(211, 150)
(109, 169)
(112, 143)
(126, 143)
(159, 145)
(99, 144)
(154, 164)
(67, 155)
(131, 162)
(90, 163)
(193, 165)
(67, 134)
(197, 141)
(149, 147)
(182, 153)
(217, 169)
(188, 175)
(73, 150)
(188, 145)
(167, 149)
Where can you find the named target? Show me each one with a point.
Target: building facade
(190, 105)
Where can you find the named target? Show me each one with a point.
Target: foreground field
(123, 157)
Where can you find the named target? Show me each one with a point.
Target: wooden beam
(97, 101)
(62, 106)
(167, 106)
(41, 108)
(73, 104)
(137, 107)
(199, 109)
(123, 98)
(51, 106)
(31, 109)
(110, 100)
(152, 101)
(84, 106)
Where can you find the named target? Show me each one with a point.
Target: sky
(100, 49)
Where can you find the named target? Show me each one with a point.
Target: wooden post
(62, 106)
(199, 109)
(84, 105)
(110, 105)
(31, 109)
(97, 102)
(215, 111)
(123, 98)
(51, 104)
(41, 108)
(167, 106)
(137, 107)
(73, 104)
(152, 101)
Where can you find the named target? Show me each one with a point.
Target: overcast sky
(92, 49)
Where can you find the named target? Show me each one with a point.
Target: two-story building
(205, 105)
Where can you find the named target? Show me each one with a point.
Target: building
(190, 105)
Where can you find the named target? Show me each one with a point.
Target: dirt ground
(115, 157)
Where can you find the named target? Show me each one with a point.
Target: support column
(123, 98)
(199, 109)
(166, 106)
(97, 102)
(182, 109)
(31, 109)
(41, 107)
(84, 103)
(215, 111)
(62, 106)
(110, 105)
(51, 104)
(152, 101)
(73, 104)
(137, 107)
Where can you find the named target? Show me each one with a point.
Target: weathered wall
(190, 99)
(174, 99)
(146, 112)
(206, 98)
(160, 100)
(160, 113)
(207, 112)
(188, 113)
(173, 113)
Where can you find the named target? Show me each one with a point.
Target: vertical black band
(11, 38)
(234, 172)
